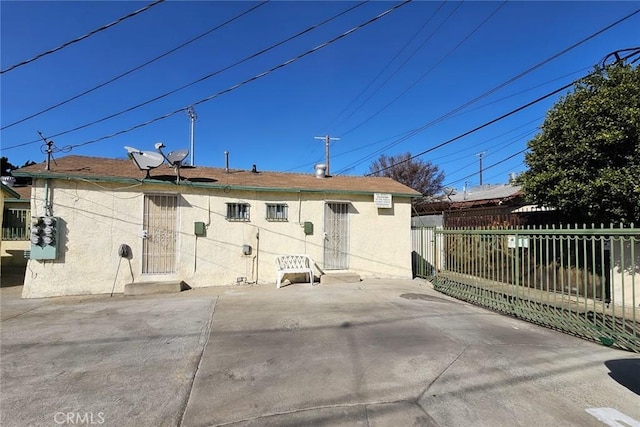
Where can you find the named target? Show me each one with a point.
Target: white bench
(293, 264)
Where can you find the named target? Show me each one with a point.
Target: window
(277, 212)
(238, 211)
(15, 224)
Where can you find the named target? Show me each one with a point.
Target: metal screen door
(336, 241)
(159, 248)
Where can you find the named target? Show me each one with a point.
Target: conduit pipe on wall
(47, 204)
(257, 253)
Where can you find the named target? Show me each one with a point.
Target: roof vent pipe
(226, 161)
(321, 170)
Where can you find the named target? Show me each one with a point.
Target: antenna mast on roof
(192, 116)
(49, 150)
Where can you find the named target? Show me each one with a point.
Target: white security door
(159, 248)
(336, 239)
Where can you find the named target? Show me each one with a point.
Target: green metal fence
(583, 281)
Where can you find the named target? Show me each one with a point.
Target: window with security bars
(237, 211)
(277, 212)
(15, 224)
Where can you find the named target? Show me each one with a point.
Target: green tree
(422, 176)
(6, 166)
(585, 162)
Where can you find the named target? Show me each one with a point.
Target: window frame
(276, 218)
(238, 212)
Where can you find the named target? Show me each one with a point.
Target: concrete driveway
(379, 353)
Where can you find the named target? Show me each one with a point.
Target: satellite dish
(174, 158)
(144, 160)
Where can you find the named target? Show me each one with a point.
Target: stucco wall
(96, 218)
(625, 273)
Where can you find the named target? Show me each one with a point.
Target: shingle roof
(24, 191)
(486, 192)
(104, 169)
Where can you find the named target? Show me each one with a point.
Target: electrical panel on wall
(44, 237)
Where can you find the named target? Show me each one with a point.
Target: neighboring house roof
(474, 197)
(121, 170)
(9, 192)
(485, 193)
(22, 193)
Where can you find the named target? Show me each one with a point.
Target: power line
(488, 167)
(412, 85)
(494, 148)
(254, 55)
(411, 133)
(126, 73)
(89, 34)
(395, 72)
(256, 77)
(469, 132)
(498, 118)
(389, 64)
(512, 141)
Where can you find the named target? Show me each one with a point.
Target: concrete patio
(378, 352)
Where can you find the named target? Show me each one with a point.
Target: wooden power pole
(327, 140)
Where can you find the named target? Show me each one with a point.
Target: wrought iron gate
(336, 241)
(159, 247)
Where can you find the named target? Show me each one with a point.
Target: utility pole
(192, 116)
(327, 140)
(480, 156)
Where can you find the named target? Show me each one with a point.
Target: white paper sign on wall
(382, 200)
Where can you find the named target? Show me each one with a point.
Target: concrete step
(340, 277)
(149, 288)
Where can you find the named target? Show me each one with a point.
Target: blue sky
(407, 71)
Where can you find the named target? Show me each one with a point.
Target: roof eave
(124, 180)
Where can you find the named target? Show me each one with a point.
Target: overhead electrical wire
(503, 172)
(581, 70)
(496, 148)
(510, 143)
(490, 122)
(254, 55)
(388, 65)
(395, 72)
(411, 133)
(256, 77)
(412, 85)
(76, 40)
(132, 70)
(486, 168)
(477, 128)
(449, 115)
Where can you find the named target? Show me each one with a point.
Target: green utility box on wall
(199, 229)
(308, 228)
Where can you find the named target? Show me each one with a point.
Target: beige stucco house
(213, 227)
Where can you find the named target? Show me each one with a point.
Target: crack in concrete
(315, 408)
(446, 368)
(207, 336)
(20, 314)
